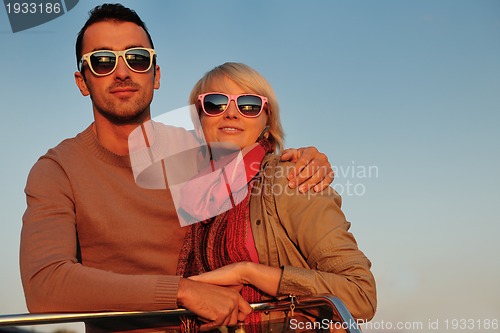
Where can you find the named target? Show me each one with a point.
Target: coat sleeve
(318, 228)
(53, 278)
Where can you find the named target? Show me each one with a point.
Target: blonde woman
(276, 241)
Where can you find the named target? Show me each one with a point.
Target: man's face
(123, 96)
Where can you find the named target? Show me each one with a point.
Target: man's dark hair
(109, 12)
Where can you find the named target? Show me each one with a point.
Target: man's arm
(55, 281)
(53, 278)
(312, 169)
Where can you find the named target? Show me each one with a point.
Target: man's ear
(81, 84)
(156, 78)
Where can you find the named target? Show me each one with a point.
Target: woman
(275, 241)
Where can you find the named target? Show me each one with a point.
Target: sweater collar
(89, 139)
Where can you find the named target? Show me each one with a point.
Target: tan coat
(307, 235)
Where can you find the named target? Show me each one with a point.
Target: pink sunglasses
(248, 105)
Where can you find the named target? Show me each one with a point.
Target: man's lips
(123, 92)
(122, 89)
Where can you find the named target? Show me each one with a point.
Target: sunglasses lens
(103, 62)
(215, 104)
(249, 105)
(139, 59)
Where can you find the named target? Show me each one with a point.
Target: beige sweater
(92, 240)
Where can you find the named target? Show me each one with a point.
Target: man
(92, 240)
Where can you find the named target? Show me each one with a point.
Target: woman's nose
(231, 110)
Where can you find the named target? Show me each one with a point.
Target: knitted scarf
(220, 241)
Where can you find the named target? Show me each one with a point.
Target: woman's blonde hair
(250, 81)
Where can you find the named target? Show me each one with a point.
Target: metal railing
(334, 306)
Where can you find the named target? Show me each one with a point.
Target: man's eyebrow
(111, 49)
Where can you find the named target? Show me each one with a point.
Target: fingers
(289, 154)
(215, 305)
(309, 177)
(321, 179)
(315, 172)
(325, 177)
(236, 316)
(244, 309)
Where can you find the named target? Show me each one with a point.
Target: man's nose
(122, 71)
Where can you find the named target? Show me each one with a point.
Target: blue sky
(407, 89)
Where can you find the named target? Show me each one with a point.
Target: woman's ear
(267, 108)
(81, 84)
(264, 134)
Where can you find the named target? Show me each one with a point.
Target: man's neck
(114, 137)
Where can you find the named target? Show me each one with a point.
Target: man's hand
(312, 169)
(218, 306)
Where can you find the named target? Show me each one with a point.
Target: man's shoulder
(51, 164)
(68, 148)
(55, 163)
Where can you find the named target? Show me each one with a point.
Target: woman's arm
(263, 277)
(316, 228)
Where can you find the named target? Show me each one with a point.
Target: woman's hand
(312, 169)
(262, 277)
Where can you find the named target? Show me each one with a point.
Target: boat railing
(335, 310)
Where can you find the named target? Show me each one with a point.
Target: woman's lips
(230, 129)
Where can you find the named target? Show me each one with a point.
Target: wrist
(183, 291)
(247, 271)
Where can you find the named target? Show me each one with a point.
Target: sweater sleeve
(53, 278)
(318, 228)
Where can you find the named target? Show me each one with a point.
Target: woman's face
(231, 126)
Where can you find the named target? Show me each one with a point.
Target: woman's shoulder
(274, 173)
(273, 167)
